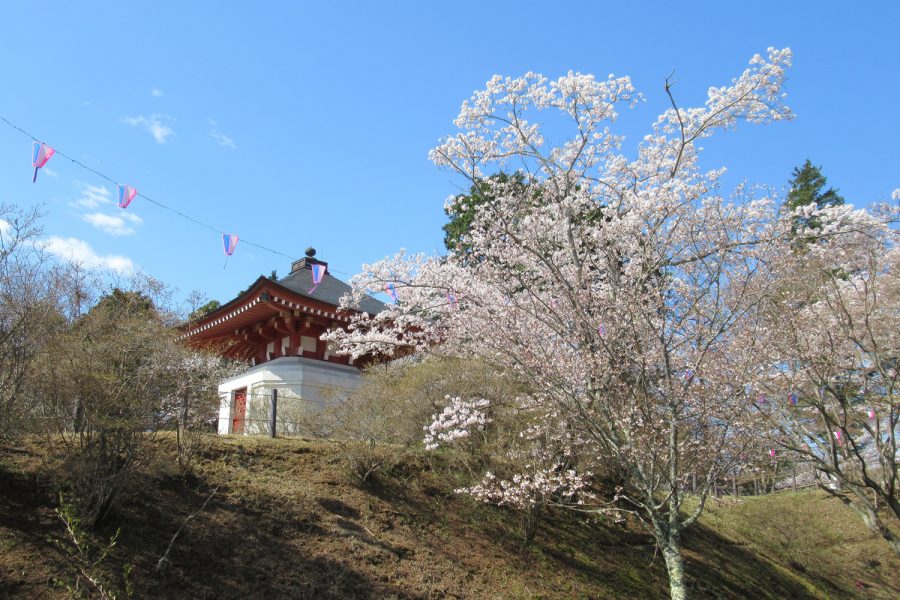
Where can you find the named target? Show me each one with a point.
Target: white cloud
(93, 196)
(223, 140)
(4, 227)
(156, 93)
(155, 125)
(49, 172)
(79, 251)
(112, 224)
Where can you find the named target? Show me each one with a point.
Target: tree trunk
(78, 425)
(874, 523)
(675, 567)
(531, 518)
(181, 434)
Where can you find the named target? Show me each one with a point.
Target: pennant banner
(792, 398)
(41, 154)
(126, 195)
(451, 299)
(318, 273)
(229, 242)
(391, 291)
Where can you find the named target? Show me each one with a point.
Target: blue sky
(293, 124)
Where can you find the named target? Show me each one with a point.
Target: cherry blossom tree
(834, 363)
(614, 284)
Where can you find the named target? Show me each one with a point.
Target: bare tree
(108, 384)
(32, 292)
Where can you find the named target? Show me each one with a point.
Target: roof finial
(310, 252)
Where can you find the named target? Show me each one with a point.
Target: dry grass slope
(287, 522)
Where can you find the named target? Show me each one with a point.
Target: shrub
(384, 418)
(106, 385)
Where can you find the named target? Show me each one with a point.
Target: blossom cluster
(553, 485)
(458, 420)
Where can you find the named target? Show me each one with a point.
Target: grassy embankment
(287, 522)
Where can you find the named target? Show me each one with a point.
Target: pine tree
(465, 206)
(807, 184)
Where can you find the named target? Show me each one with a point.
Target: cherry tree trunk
(675, 566)
(875, 524)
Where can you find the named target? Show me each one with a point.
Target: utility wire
(151, 200)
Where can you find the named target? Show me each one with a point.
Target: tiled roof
(329, 290)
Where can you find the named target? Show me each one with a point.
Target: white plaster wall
(308, 343)
(224, 412)
(302, 383)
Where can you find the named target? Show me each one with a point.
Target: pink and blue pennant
(318, 273)
(229, 242)
(126, 195)
(41, 154)
(792, 398)
(391, 291)
(451, 300)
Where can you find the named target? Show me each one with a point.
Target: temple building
(274, 326)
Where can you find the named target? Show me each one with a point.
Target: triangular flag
(837, 436)
(40, 155)
(318, 273)
(792, 398)
(126, 195)
(872, 414)
(451, 299)
(229, 242)
(772, 453)
(391, 291)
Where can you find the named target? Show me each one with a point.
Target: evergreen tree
(807, 185)
(204, 310)
(465, 207)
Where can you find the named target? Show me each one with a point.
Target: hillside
(286, 522)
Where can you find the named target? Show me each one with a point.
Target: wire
(151, 200)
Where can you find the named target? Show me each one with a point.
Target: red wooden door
(240, 411)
